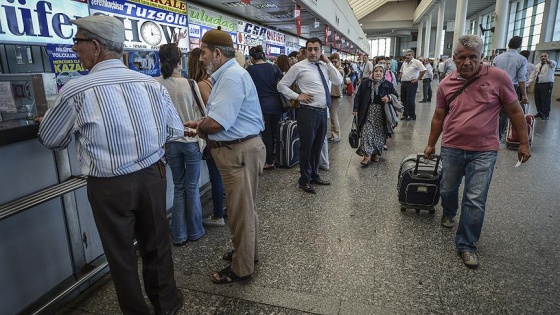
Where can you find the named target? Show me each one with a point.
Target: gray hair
(471, 42)
(410, 51)
(113, 47)
(228, 51)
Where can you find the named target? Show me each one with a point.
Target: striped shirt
(121, 119)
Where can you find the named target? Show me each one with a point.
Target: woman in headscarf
(369, 104)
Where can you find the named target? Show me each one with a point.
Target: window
(380, 47)
(487, 23)
(525, 20)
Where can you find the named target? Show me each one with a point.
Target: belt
(319, 109)
(218, 144)
(406, 81)
(544, 82)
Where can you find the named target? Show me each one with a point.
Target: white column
(460, 19)
(499, 39)
(419, 39)
(428, 34)
(439, 30)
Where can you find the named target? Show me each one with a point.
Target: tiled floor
(349, 249)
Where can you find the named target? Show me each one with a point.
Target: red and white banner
(246, 1)
(297, 15)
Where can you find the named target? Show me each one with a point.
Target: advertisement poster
(64, 63)
(249, 35)
(35, 21)
(197, 31)
(146, 62)
(147, 24)
(274, 51)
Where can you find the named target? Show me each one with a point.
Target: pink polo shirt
(472, 121)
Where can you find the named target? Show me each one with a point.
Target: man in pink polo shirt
(469, 147)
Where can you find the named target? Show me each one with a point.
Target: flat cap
(107, 27)
(217, 37)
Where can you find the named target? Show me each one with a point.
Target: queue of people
(127, 122)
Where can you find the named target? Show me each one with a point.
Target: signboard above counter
(40, 22)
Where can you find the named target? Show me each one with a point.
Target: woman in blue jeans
(184, 154)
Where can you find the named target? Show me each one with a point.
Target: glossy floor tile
(350, 250)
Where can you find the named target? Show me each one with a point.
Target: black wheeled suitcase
(287, 143)
(418, 182)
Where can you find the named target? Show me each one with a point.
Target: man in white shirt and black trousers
(543, 76)
(412, 71)
(313, 76)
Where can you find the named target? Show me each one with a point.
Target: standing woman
(266, 76)
(369, 105)
(197, 72)
(336, 94)
(183, 155)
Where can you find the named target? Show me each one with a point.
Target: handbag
(354, 136)
(286, 102)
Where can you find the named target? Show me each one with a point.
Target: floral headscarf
(377, 84)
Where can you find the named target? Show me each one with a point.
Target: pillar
(428, 34)
(419, 39)
(439, 29)
(460, 19)
(499, 39)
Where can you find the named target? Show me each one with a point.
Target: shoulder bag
(206, 155)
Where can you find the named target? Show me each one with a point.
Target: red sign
(297, 15)
(246, 1)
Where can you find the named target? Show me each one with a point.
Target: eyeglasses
(77, 40)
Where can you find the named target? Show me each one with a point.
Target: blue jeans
(186, 221)
(477, 168)
(217, 188)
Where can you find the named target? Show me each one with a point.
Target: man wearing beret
(121, 119)
(233, 124)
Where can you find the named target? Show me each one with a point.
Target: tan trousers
(333, 111)
(240, 165)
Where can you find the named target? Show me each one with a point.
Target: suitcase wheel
(403, 208)
(432, 211)
(417, 211)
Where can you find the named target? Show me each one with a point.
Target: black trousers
(543, 97)
(129, 207)
(269, 135)
(312, 128)
(408, 95)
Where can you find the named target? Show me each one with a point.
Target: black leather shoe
(320, 181)
(538, 115)
(307, 188)
(177, 306)
(410, 118)
(404, 118)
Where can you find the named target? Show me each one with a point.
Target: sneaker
(446, 222)
(469, 259)
(211, 221)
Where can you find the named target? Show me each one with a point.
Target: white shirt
(429, 72)
(308, 79)
(367, 69)
(411, 70)
(546, 75)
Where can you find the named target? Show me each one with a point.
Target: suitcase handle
(431, 157)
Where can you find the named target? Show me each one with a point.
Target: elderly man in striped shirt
(122, 119)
